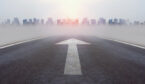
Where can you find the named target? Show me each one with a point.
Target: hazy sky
(128, 9)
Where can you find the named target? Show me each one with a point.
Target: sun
(68, 8)
(71, 8)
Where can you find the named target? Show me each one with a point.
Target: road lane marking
(127, 43)
(72, 65)
(20, 42)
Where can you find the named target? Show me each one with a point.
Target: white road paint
(72, 65)
(20, 42)
(127, 43)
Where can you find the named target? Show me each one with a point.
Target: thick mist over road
(131, 34)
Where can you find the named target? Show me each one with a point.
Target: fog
(131, 34)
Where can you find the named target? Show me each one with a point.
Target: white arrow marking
(72, 65)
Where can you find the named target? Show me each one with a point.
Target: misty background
(127, 9)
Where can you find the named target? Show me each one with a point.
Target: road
(43, 62)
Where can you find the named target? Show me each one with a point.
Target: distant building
(59, 22)
(16, 21)
(76, 22)
(34, 21)
(122, 22)
(25, 22)
(42, 21)
(49, 21)
(110, 22)
(85, 21)
(30, 22)
(136, 23)
(93, 22)
(37, 21)
(115, 21)
(142, 23)
(68, 21)
(8, 22)
(101, 21)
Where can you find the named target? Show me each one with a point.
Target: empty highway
(72, 60)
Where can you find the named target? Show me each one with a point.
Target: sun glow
(70, 8)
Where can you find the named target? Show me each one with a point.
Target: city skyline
(65, 21)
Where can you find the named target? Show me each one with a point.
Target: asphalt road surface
(43, 62)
